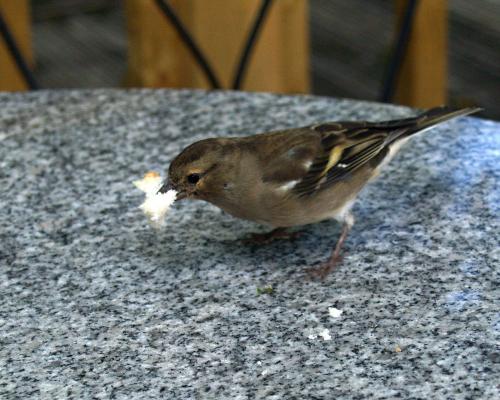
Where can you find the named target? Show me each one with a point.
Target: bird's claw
(322, 271)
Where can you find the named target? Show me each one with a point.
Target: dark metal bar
(16, 54)
(250, 43)
(190, 43)
(396, 61)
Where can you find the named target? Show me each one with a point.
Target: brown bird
(295, 176)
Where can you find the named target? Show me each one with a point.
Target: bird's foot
(322, 271)
(275, 234)
(335, 259)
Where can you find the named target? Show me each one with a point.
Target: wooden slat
(280, 62)
(17, 16)
(424, 75)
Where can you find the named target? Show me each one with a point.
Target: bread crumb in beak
(156, 205)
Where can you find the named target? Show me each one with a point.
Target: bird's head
(202, 170)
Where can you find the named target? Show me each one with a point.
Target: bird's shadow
(219, 238)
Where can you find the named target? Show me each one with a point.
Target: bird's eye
(193, 178)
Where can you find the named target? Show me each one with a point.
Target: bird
(294, 177)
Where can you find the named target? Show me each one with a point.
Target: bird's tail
(427, 120)
(437, 115)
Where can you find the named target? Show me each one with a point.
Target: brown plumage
(295, 176)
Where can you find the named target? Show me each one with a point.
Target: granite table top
(95, 304)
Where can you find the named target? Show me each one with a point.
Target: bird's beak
(166, 187)
(170, 186)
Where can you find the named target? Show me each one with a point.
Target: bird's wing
(346, 147)
(313, 158)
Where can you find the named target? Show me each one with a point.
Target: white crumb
(156, 205)
(334, 312)
(325, 334)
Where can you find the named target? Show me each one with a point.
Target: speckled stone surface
(95, 305)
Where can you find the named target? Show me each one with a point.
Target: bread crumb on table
(325, 334)
(334, 312)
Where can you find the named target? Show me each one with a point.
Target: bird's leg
(264, 238)
(335, 258)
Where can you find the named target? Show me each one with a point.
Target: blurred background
(418, 53)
